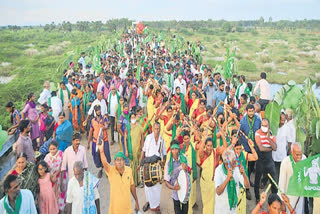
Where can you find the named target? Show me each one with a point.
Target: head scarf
(119, 155)
(183, 159)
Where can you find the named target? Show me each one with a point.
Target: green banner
(305, 180)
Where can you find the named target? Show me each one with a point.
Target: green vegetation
(286, 50)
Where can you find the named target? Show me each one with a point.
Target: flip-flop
(146, 207)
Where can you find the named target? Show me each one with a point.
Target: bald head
(296, 151)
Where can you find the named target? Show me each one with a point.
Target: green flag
(138, 71)
(148, 39)
(229, 65)
(305, 180)
(96, 60)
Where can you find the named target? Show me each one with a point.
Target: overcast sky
(35, 12)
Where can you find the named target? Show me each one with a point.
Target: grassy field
(33, 55)
(283, 55)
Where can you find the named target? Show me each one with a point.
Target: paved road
(166, 204)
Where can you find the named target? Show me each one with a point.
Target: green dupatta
(194, 161)
(17, 205)
(232, 192)
(61, 95)
(129, 142)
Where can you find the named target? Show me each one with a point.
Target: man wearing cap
(179, 82)
(121, 183)
(74, 153)
(98, 132)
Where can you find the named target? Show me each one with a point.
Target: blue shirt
(244, 126)
(219, 96)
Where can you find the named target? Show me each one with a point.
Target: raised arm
(103, 158)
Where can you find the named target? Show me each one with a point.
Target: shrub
(246, 65)
(267, 69)
(265, 58)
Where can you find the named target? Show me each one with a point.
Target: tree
(261, 21)
(270, 19)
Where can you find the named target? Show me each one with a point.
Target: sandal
(146, 207)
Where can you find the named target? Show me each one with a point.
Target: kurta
(208, 191)
(286, 172)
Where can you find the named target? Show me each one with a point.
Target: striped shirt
(262, 138)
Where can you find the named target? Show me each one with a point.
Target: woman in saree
(30, 112)
(63, 132)
(15, 118)
(243, 104)
(54, 160)
(87, 100)
(119, 111)
(193, 101)
(75, 114)
(134, 142)
(208, 163)
(27, 175)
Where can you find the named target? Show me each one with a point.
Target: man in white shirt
(55, 103)
(45, 94)
(179, 82)
(82, 61)
(69, 84)
(226, 173)
(100, 101)
(113, 101)
(241, 88)
(291, 127)
(265, 93)
(14, 196)
(82, 198)
(153, 145)
(232, 94)
(286, 171)
(142, 98)
(282, 141)
(102, 84)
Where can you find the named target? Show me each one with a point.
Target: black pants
(251, 165)
(277, 166)
(183, 209)
(264, 166)
(263, 103)
(112, 121)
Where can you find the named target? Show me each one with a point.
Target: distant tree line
(196, 26)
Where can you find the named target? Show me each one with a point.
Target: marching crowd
(160, 106)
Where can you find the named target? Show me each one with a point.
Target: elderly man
(45, 94)
(228, 177)
(153, 145)
(286, 171)
(121, 183)
(266, 143)
(82, 194)
(74, 153)
(16, 200)
(232, 94)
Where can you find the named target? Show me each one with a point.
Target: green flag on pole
(229, 65)
(305, 180)
(138, 71)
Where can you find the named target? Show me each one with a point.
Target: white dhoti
(298, 206)
(153, 195)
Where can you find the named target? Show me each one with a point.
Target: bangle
(260, 205)
(291, 211)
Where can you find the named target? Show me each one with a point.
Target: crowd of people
(154, 102)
